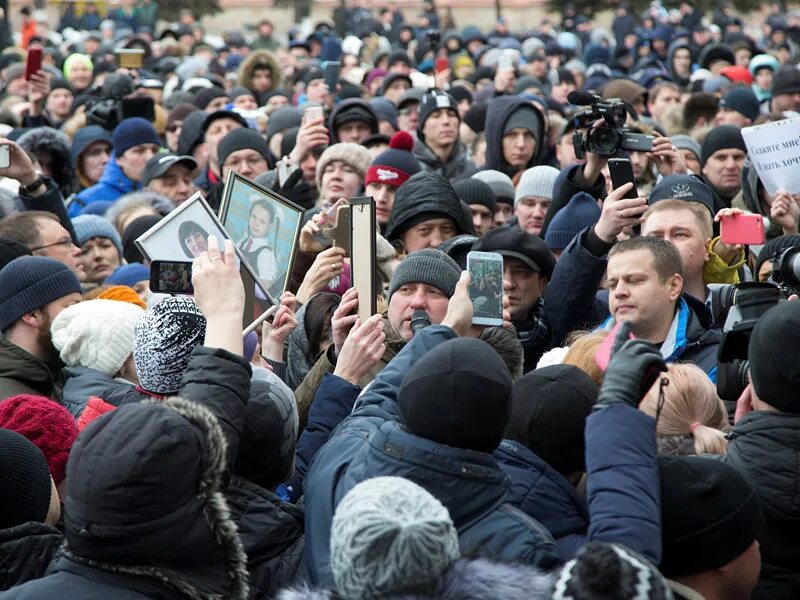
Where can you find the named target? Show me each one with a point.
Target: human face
(196, 244)
(783, 102)
(397, 89)
(518, 147)
(639, 163)
(743, 56)
(408, 117)
(143, 289)
(681, 229)
(246, 162)
(502, 213)
(216, 131)
(531, 212)
(637, 294)
(441, 128)
(666, 98)
(354, 131)
(741, 575)
(245, 102)
(309, 167)
(764, 79)
(262, 80)
(278, 101)
(172, 134)
(339, 180)
(565, 151)
(682, 61)
(384, 200)
(561, 91)
(58, 245)
(80, 76)
(415, 296)
(99, 258)
(428, 234)
(216, 104)
(59, 103)
(482, 218)
(691, 160)
(525, 287)
(176, 184)
(93, 160)
(259, 222)
(723, 170)
(298, 56)
(133, 160)
(317, 91)
(726, 116)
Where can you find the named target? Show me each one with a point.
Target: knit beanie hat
(282, 119)
(763, 61)
(472, 387)
(85, 137)
(610, 571)
(133, 132)
(773, 372)
(710, 514)
(352, 109)
(475, 191)
(192, 132)
(548, 415)
(204, 97)
(684, 142)
(581, 212)
(31, 282)
(122, 293)
(9, 250)
(390, 536)
(180, 112)
(128, 275)
(743, 101)
(428, 266)
(353, 155)
(97, 334)
(241, 138)
(724, 137)
(163, 340)
(395, 165)
(523, 117)
(774, 248)
(432, 101)
(539, 181)
(24, 481)
(47, 424)
(501, 185)
(786, 81)
(92, 226)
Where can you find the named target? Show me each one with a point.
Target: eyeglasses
(66, 242)
(408, 110)
(250, 161)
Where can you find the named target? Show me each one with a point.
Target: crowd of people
(629, 431)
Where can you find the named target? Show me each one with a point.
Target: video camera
(610, 138)
(115, 102)
(786, 271)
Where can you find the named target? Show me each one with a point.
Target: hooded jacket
(23, 373)
(372, 442)
(345, 105)
(260, 59)
(25, 552)
(500, 110)
(673, 48)
(765, 448)
(113, 184)
(749, 198)
(457, 166)
(82, 382)
(50, 141)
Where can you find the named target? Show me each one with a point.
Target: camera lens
(604, 141)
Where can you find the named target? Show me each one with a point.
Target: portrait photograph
(264, 227)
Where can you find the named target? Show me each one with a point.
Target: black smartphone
(331, 70)
(171, 277)
(621, 172)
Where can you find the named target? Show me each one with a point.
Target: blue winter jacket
(371, 443)
(113, 184)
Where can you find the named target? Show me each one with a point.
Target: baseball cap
(159, 164)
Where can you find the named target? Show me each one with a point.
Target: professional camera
(786, 271)
(115, 102)
(610, 138)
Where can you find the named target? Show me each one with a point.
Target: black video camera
(115, 101)
(786, 271)
(610, 138)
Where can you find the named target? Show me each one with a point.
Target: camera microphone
(582, 98)
(419, 321)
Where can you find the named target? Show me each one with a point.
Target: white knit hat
(537, 181)
(97, 334)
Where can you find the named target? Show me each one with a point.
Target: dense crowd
(630, 431)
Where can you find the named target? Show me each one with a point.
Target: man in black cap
(481, 201)
(215, 127)
(722, 159)
(170, 175)
(353, 120)
(244, 151)
(786, 90)
(738, 107)
(395, 85)
(527, 267)
(399, 62)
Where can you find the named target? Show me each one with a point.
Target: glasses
(250, 161)
(409, 110)
(66, 242)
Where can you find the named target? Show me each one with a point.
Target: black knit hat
(475, 191)
(432, 101)
(786, 81)
(721, 138)
(354, 109)
(191, 132)
(775, 373)
(472, 386)
(241, 138)
(683, 187)
(205, 97)
(9, 250)
(475, 117)
(24, 481)
(709, 514)
(135, 229)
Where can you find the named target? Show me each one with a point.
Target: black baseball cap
(513, 242)
(159, 164)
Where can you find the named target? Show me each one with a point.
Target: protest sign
(774, 150)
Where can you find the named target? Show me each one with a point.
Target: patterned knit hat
(395, 165)
(353, 155)
(97, 334)
(92, 226)
(389, 536)
(163, 340)
(44, 422)
(24, 481)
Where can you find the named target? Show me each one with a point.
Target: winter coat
(51, 201)
(372, 443)
(465, 580)
(765, 448)
(500, 110)
(260, 59)
(345, 105)
(673, 48)
(749, 199)
(534, 334)
(23, 373)
(113, 184)
(272, 535)
(458, 164)
(25, 552)
(82, 382)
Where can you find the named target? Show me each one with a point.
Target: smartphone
(285, 169)
(486, 287)
(130, 58)
(602, 355)
(621, 171)
(363, 260)
(504, 61)
(442, 64)
(331, 70)
(5, 157)
(312, 113)
(33, 62)
(742, 229)
(171, 277)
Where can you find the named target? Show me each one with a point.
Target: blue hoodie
(113, 184)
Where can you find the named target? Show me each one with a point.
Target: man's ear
(543, 281)
(675, 287)
(32, 318)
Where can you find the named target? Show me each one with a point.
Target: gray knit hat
(429, 266)
(537, 181)
(684, 142)
(91, 226)
(501, 184)
(390, 536)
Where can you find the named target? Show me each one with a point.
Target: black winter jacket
(25, 552)
(499, 110)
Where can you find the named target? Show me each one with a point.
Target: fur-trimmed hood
(465, 579)
(146, 500)
(260, 59)
(46, 140)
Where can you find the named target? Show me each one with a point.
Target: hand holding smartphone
(621, 171)
(744, 229)
(312, 113)
(33, 62)
(486, 287)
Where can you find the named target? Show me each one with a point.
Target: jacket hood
(115, 178)
(26, 551)
(46, 140)
(146, 500)
(673, 48)
(458, 165)
(497, 115)
(344, 105)
(82, 382)
(260, 59)
(19, 365)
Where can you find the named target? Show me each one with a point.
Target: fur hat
(353, 155)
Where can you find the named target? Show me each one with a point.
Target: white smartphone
(504, 61)
(5, 157)
(312, 113)
(486, 287)
(285, 169)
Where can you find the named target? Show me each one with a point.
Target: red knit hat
(47, 424)
(395, 165)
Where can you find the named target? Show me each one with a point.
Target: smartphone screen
(331, 70)
(312, 113)
(171, 277)
(486, 287)
(621, 172)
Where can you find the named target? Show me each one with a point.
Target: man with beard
(33, 291)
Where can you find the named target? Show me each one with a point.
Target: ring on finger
(216, 258)
(620, 215)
